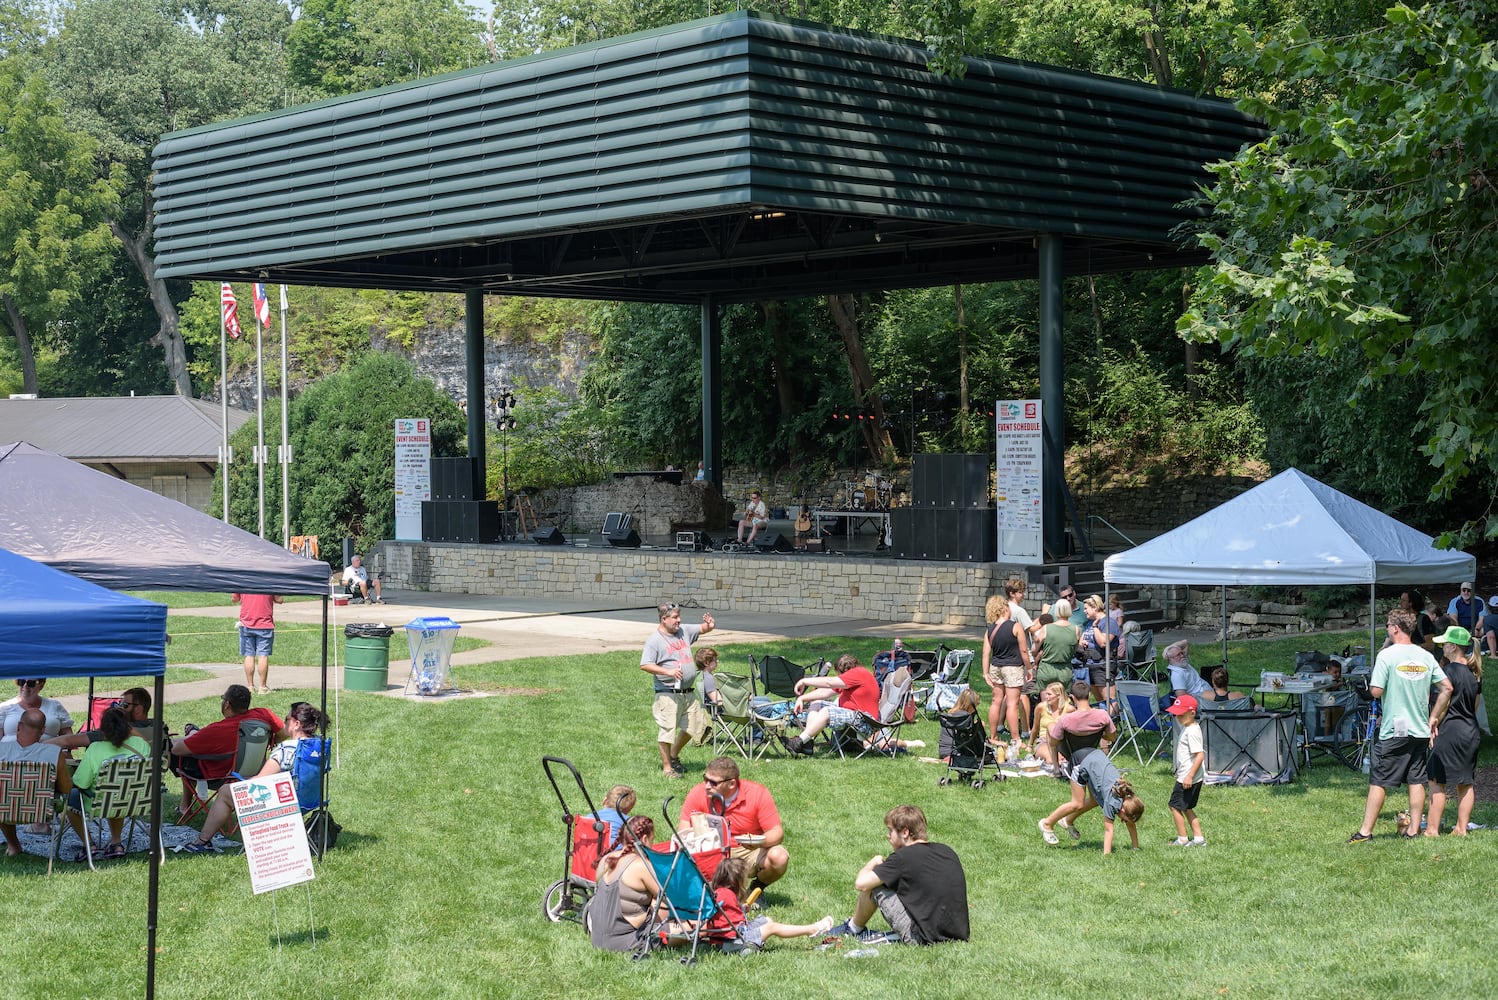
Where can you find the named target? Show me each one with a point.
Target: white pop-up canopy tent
(1291, 530)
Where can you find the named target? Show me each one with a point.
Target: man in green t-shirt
(1403, 676)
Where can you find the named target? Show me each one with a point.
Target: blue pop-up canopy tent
(56, 625)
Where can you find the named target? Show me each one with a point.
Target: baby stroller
(969, 753)
(586, 840)
(688, 912)
(947, 683)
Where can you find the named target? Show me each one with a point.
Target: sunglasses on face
(31, 683)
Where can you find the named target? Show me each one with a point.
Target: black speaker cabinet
(965, 481)
(627, 538)
(473, 521)
(455, 479)
(977, 534)
(773, 541)
(925, 480)
(549, 536)
(434, 520)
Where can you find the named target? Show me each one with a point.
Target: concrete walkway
(519, 627)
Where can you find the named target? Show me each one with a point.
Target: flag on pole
(231, 311)
(262, 304)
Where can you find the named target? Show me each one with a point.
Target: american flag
(262, 304)
(231, 310)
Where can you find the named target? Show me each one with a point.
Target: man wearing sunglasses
(667, 657)
(752, 818)
(29, 695)
(137, 705)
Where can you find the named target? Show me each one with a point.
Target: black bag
(315, 832)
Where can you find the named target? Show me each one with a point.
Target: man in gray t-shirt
(667, 656)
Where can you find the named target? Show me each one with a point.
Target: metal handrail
(1098, 517)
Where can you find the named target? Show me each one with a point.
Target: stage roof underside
(741, 157)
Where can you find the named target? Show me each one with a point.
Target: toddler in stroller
(962, 746)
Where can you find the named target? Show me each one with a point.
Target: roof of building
(740, 156)
(120, 428)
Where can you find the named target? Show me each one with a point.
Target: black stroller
(964, 746)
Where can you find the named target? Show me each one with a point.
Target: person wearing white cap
(1463, 607)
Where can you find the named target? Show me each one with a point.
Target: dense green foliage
(1363, 230)
(342, 437)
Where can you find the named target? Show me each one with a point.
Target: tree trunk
(169, 334)
(874, 433)
(23, 345)
(962, 386)
(1191, 350)
(785, 392)
(1154, 47)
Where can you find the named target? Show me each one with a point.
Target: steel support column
(1052, 401)
(712, 391)
(473, 341)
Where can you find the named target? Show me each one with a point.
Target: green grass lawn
(452, 834)
(198, 639)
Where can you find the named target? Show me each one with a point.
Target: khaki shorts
(754, 855)
(677, 711)
(1013, 677)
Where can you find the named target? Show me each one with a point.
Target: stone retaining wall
(880, 589)
(1198, 607)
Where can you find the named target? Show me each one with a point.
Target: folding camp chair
(896, 709)
(1140, 715)
(777, 675)
(949, 681)
(122, 791)
(733, 717)
(28, 795)
(1139, 655)
(249, 758)
(309, 770)
(923, 662)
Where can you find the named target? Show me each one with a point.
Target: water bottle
(861, 953)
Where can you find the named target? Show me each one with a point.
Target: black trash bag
(315, 832)
(367, 630)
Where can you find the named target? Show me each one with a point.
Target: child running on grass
(1096, 782)
(1190, 760)
(727, 884)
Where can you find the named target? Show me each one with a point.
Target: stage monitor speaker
(773, 541)
(549, 536)
(627, 538)
(615, 522)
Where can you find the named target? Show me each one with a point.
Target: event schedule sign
(413, 475)
(1018, 445)
(275, 841)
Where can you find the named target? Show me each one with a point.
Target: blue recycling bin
(431, 641)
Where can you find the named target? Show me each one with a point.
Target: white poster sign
(275, 841)
(413, 475)
(1018, 452)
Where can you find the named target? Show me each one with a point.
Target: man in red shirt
(753, 820)
(257, 635)
(208, 753)
(850, 699)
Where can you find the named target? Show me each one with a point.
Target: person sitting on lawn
(752, 817)
(208, 753)
(625, 891)
(1220, 685)
(28, 746)
(617, 805)
(849, 699)
(357, 582)
(119, 741)
(302, 722)
(920, 888)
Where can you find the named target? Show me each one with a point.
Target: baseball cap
(1493, 601)
(1183, 704)
(1456, 635)
(1466, 585)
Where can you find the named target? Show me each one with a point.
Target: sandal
(114, 851)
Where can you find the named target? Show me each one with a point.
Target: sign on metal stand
(275, 839)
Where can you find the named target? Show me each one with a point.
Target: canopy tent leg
(153, 892)
(712, 391)
(473, 341)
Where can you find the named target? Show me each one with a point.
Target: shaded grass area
(199, 639)
(452, 834)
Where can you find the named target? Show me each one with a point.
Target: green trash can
(366, 656)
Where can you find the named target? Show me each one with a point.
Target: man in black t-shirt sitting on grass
(920, 888)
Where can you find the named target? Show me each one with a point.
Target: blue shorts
(256, 641)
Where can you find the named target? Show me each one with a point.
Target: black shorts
(1399, 760)
(1097, 673)
(1183, 799)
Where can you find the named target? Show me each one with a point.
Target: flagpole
(285, 449)
(223, 391)
(260, 412)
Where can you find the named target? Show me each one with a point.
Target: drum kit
(873, 492)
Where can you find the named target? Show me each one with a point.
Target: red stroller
(588, 837)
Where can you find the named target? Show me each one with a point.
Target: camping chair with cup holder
(896, 709)
(946, 684)
(1332, 725)
(248, 756)
(309, 773)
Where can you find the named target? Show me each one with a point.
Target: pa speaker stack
(457, 511)
(950, 516)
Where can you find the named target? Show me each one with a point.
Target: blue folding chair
(309, 772)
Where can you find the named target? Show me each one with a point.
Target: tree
(342, 436)
(342, 46)
(1364, 228)
(52, 212)
(127, 72)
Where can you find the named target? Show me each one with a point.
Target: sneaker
(844, 929)
(1360, 838)
(869, 936)
(1072, 831)
(1179, 842)
(1047, 834)
(198, 847)
(1197, 842)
